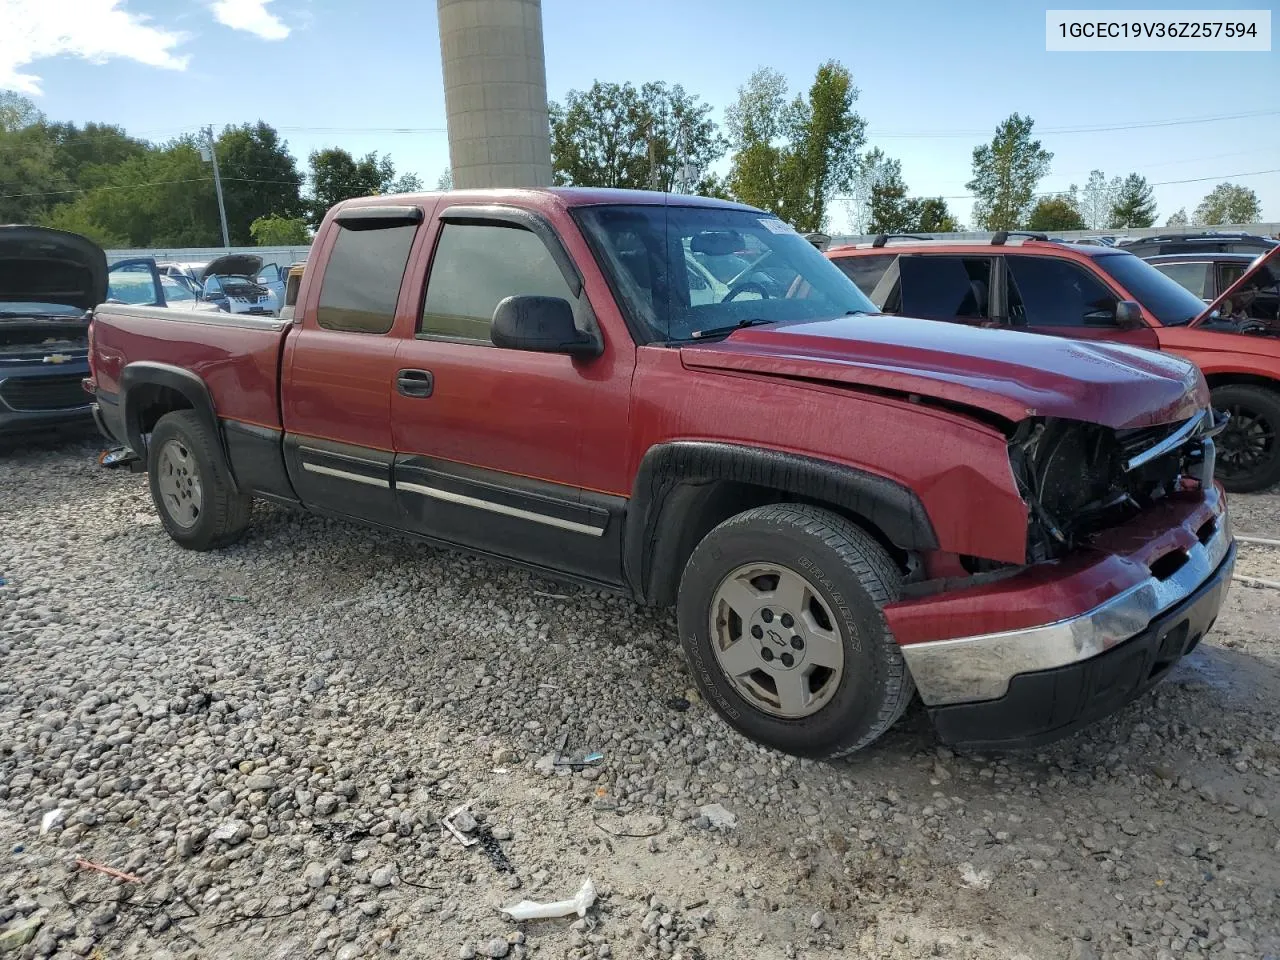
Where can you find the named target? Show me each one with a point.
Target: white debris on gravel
(268, 736)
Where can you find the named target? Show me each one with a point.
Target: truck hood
(234, 265)
(1011, 374)
(40, 265)
(1266, 261)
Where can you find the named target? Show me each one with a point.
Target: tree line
(122, 191)
(794, 153)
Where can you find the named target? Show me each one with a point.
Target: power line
(1061, 131)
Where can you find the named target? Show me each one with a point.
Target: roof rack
(883, 238)
(1001, 236)
(1200, 234)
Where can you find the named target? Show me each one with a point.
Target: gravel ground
(265, 739)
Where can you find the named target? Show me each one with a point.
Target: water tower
(495, 92)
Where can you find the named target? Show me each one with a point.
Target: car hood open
(234, 265)
(1010, 374)
(1269, 259)
(40, 265)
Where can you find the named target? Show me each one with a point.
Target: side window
(476, 267)
(1193, 276)
(1047, 292)
(213, 287)
(1229, 273)
(864, 271)
(362, 279)
(946, 286)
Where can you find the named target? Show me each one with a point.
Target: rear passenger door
(1056, 296)
(511, 452)
(339, 368)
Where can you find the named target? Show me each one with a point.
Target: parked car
(231, 283)
(49, 282)
(139, 282)
(1095, 294)
(1208, 241)
(1209, 275)
(844, 507)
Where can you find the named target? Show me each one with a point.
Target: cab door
(339, 367)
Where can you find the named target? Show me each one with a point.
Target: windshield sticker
(774, 225)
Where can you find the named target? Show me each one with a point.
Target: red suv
(1026, 282)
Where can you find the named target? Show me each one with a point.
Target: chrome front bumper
(979, 668)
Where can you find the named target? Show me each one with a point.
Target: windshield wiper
(721, 331)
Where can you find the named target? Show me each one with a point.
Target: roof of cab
(558, 196)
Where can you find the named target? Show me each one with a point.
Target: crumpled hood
(41, 265)
(1012, 374)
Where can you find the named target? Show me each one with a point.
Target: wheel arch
(149, 390)
(1225, 378)
(684, 489)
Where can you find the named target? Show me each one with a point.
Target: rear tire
(193, 494)
(1248, 449)
(780, 619)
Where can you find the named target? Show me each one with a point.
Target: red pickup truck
(680, 399)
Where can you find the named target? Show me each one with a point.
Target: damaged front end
(1079, 479)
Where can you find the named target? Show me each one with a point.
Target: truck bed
(238, 356)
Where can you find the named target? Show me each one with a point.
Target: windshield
(668, 266)
(1167, 300)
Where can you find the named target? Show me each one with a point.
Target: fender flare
(654, 514)
(178, 379)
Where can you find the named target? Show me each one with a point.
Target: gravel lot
(265, 738)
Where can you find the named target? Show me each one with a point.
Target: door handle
(415, 383)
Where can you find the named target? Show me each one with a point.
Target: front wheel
(1248, 453)
(196, 500)
(779, 614)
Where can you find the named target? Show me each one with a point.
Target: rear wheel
(779, 613)
(1248, 451)
(195, 498)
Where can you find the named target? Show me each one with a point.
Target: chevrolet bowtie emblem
(56, 358)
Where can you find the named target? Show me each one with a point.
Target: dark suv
(1209, 275)
(1210, 241)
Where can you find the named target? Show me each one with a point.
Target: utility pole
(212, 155)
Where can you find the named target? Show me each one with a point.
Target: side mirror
(541, 324)
(1129, 315)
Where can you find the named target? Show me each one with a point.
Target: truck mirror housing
(542, 324)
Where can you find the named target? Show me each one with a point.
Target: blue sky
(935, 78)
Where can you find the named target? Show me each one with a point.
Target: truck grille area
(1080, 478)
(33, 394)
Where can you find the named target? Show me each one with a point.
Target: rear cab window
(1192, 277)
(362, 277)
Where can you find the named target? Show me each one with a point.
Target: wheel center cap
(779, 638)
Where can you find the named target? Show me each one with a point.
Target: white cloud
(94, 30)
(252, 16)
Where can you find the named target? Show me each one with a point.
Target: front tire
(1248, 450)
(196, 501)
(779, 614)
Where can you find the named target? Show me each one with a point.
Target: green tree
(793, 156)
(1005, 174)
(1055, 213)
(1135, 204)
(935, 217)
(445, 180)
(259, 177)
(30, 181)
(274, 231)
(85, 155)
(405, 183)
(17, 111)
(1097, 199)
(615, 135)
(889, 208)
(1178, 219)
(1228, 203)
(337, 176)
